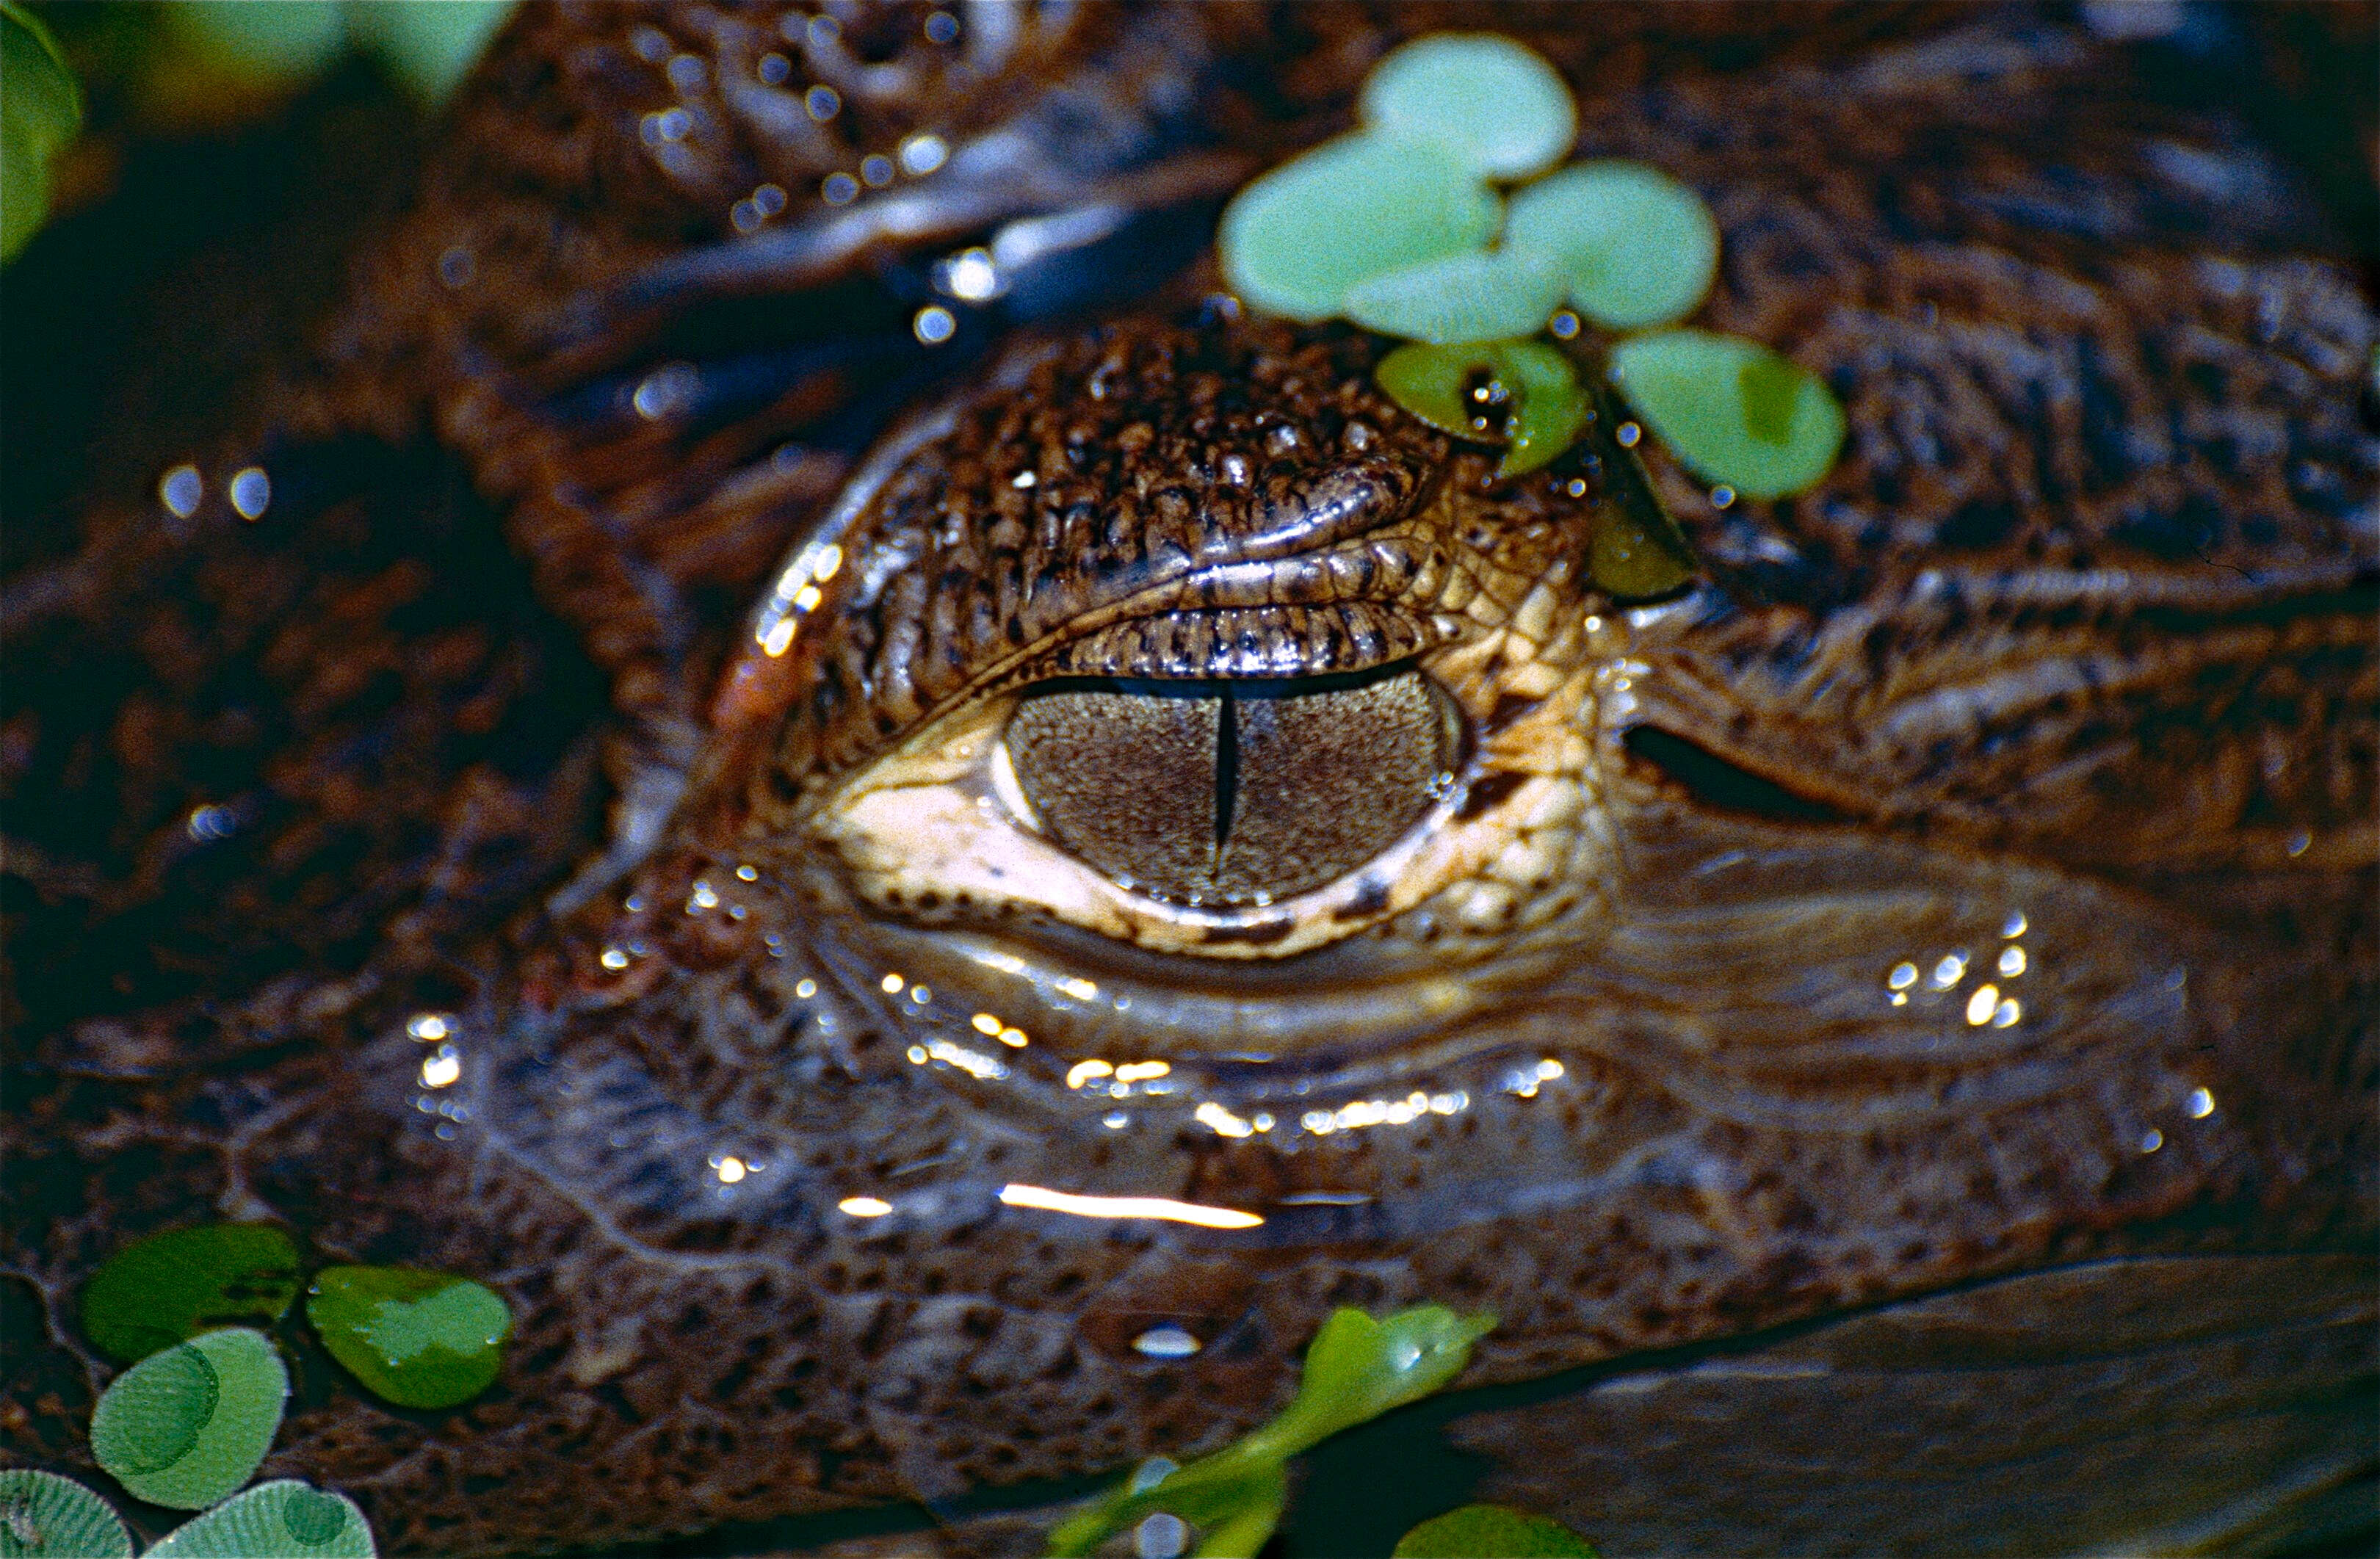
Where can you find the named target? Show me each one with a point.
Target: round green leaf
(40, 111)
(1638, 247)
(419, 1339)
(42, 108)
(1476, 297)
(272, 43)
(429, 47)
(45, 1516)
(1297, 238)
(1734, 411)
(283, 1519)
(187, 1425)
(1543, 404)
(159, 1291)
(1498, 105)
(1492, 1532)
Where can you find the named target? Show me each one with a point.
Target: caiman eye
(1231, 793)
(1163, 637)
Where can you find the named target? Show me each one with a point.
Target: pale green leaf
(1461, 297)
(1296, 240)
(45, 1516)
(1733, 411)
(283, 1519)
(1492, 1531)
(279, 44)
(187, 1426)
(429, 46)
(1501, 106)
(1638, 247)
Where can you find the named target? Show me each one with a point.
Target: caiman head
(1121, 839)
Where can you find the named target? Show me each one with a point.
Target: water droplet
(822, 103)
(921, 154)
(839, 189)
(665, 392)
(180, 490)
(1628, 434)
(251, 493)
(1160, 1536)
(1168, 1341)
(775, 69)
(1722, 496)
(970, 275)
(935, 325)
(876, 171)
(210, 822)
(941, 27)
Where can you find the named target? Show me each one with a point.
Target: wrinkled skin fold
(2063, 682)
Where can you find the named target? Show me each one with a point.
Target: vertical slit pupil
(1227, 769)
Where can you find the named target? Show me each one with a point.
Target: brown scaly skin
(2080, 628)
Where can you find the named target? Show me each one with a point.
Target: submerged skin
(2074, 653)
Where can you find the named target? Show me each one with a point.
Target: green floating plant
(418, 1339)
(1395, 228)
(428, 47)
(45, 1516)
(1527, 385)
(40, 112)
(1492, 1531)
(1297, 238)
(1487, 296)
(1634, 552)
(1498, 105)
(1735, 412)
(283, 1519)
(1636, 247)
(171, 1286)
(1356, 1369)
(187, 1425)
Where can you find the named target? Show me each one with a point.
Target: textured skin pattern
(2073, 656)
